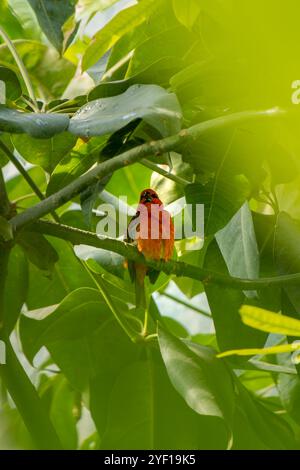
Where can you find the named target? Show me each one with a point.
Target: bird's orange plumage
(152, 229)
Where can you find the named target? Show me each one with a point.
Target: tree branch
(132, 156)
(80, 237)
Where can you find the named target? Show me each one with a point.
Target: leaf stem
(166, 174)
(133, 336)
(21, 67)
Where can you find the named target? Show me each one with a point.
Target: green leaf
(157, 107)
(13, 88)
(38, 250)
(6, 231)
(287, 253)
(144, 409)
(222, 198)
(289, 387)
(157, 73)
(225, 304)
(111, 262)
(168, 190)
(40, 125)
(49, 289)
(285, 348)
(3, 157)
(130, 182)
(81, 158)
(46, 153)
(10, 21)
(17, 187)
(187, 12)
(196, 374)
(89, 197)
(79, 334)
(50, 74)
(192, 287)
(121, 24)
(170, 43)
(270, 322)
(16, 287)
(24, 15)
(62, 413)
(270, 427)
(238, 245)
(51, 15)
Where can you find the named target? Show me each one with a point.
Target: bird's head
(148, 196)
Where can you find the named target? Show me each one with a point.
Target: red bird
(153, 231)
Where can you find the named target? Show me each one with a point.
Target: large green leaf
(38, 250)
(238, 245)
(16, 287)
(144, 409)
(35, 124)
(222, 198)
(81, 158)
(123, 22)
(149, 102)
(287, 253)
(57, 393)
(225, 304)
(48, 289)
(289, 388)
(46, 153)
(18, 188)
(271, 428)
(197, 374)
(187, 12)
(112, 262)
(51, 15)
(10, 21)
(49, 73)
(80, 334)
(169, 43)
(157, 73)
(130, 182)
(12, 85)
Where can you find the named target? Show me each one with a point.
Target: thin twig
(166, 174)
(21, 67)
(186, 304)
(25, 175)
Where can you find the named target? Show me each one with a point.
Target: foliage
(191, 98)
